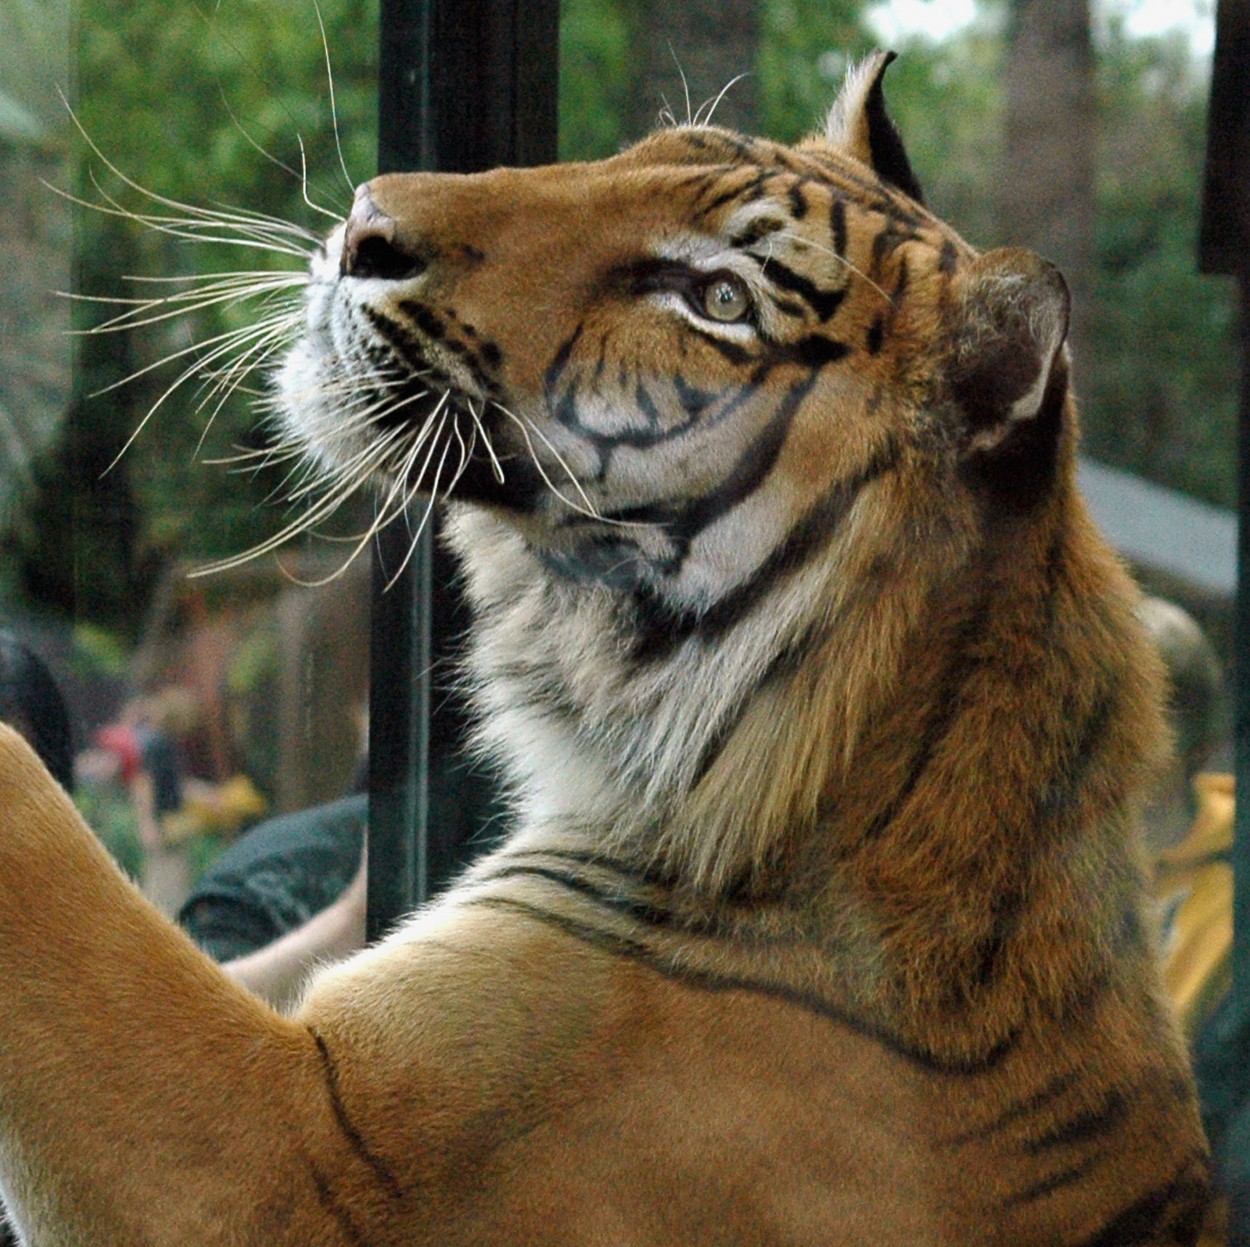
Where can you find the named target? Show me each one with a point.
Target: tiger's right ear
(1007, 371)
(859, 124)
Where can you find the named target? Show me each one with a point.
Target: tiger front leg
(144, 1097)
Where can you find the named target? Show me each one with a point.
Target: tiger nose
(371, 247)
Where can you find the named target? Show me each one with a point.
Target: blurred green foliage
(1160, 394)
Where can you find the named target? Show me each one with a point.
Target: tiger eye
(725, 298)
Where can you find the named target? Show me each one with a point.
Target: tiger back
(825, 718)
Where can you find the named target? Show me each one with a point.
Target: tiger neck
(868, 752)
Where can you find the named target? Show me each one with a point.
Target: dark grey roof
(1162, 529)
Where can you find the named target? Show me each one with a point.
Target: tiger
(825, 719)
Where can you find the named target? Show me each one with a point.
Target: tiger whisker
(262, 224)
(398, 498)
(144, 312)
(704, 118)
(226, 381)
(496, 466)
(841, 259)
(257, 456)
(334, 113)
(326, 506)
(431, 499)
(188, 229)
(299, 175)
(586, 507)
(247, 60)
(251, 230)
(360, 464)
(222, 344)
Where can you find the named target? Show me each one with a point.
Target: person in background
(1198, 711)
(287, 895)
(31, 701)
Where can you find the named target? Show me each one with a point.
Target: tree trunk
(1047, 196)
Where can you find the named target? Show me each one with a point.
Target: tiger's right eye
(725, 298)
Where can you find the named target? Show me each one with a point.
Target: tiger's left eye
(726, 299)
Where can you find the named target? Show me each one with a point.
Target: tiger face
(656, 401)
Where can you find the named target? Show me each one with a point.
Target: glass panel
(202, 704)
(211, 681)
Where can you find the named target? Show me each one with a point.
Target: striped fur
(825, 718)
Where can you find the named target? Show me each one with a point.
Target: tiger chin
(825, 718)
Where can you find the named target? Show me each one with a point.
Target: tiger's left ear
(859, 124)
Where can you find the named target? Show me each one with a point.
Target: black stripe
(693, 400)
(758, 229)
(374, 1163)
(1064, 792)
(632, 872)
(1054, 572)
(984, 1062)
(536, 687)
(943, 712)
(405, 342)
(736, 149)
(1081, 1127)
(814, 351)
(611, 896)
(646, 405)
(798, 204)
(330, 1202)
(787, 307)
(699, 183)
(888, 239)
(1055, 1182)
(785, 663)
(748, 192)
(682, 521)
(1033, 1104)
(732, 351)
(559, 362)
(900, 286)
(837, 225)
(876, 336)
(868, 193)
(648, 915)
(660, 630)
(425, 319)
(989, 954)
(823, 302)
(784, 157)
(1175, 1209)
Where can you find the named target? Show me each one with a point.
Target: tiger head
(738, 419)
(653, 363)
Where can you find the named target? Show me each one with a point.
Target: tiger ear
(859, 124)
(1008, 368)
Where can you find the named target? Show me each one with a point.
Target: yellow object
(1194, 882)
(217, 809)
